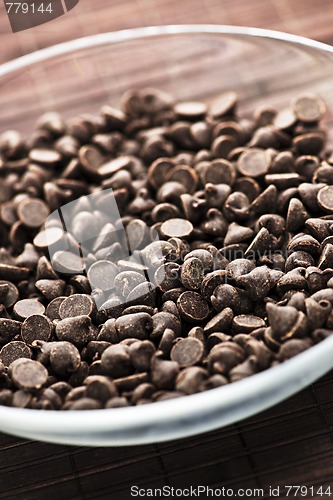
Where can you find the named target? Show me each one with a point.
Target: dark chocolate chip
(14, 350)
(193, 307)
(28, 374)
(187, 352)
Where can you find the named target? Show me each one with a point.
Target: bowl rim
(153, 31)
(266, 388)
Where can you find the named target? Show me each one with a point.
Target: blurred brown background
(291, 443)
(311, 18)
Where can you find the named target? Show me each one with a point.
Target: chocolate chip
(237, 234)
(190, 379)
(27, 307)
(102, 274)
(28, 374)
(137, 325)
(157, 172)
(141, 354)
(46, 157)
(190, 110)
(9, 328)
(285, 322)
(167, 341)
(48, 237)
(192, 273)
(13, 273)
(236, 207)
(117, 402)
(305, 243)
(211, 281)
(129, 383)
(85, 404)
(187, 352)
(100, 388)
(116, 361)
(292, 347)
(285, 119)
(9, 293)
(296, 216)
(268, 197)
(21, 399)
(225, 296)
(64, 358)
(246, 323)
(164, 373)
(74, 329)
(257, 282)
(325, 199)
(67, 262)
(33, 212)
(309, 108)
(201, 133)
(51, 289)
(223, 105)
(52, 310)
(61, 388)
(36, 327)
(192, 307)
(222, 321)
(76, 305)
(179, 228)
(219, 171)
(14, 350)
(164, 320)
(253, 162)
(243, 370)
(309, 144)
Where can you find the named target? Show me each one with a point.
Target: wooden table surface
(289, 444)
(311, 18)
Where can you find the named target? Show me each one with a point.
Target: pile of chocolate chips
(244, 212)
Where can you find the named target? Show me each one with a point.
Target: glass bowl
(191, 62)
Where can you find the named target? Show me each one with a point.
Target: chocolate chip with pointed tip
(225, 295)
(74, 329)
(319, 228)
(51, 289)
(247, 368)
(304, 242)
(296, 215)
(299, 259)
(259, 245)
(268, 197)
(190, 379)
(223, 357)
(292, 347)
(223, 105)
(164, 373)
(222, 321)
(237, 234)
(163, 320)
(257, 282)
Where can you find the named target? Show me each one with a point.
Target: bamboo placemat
(289, 444)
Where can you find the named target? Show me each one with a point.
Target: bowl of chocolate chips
(166, 232)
